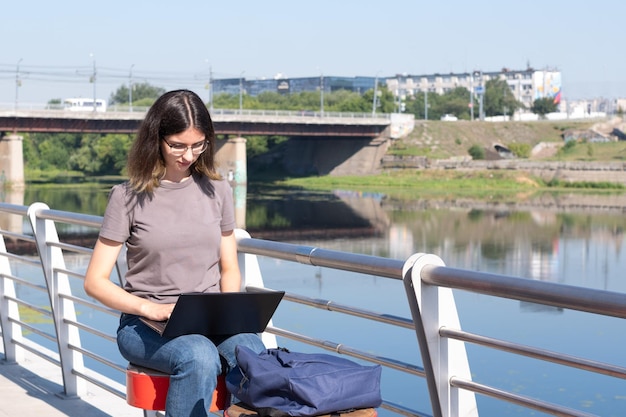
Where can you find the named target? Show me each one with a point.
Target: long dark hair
(172, 113)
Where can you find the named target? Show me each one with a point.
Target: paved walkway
(33, 388)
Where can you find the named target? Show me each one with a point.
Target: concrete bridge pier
(232, 164)
(11, 162)
(230, 157)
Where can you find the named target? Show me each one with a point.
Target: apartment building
(526, 85)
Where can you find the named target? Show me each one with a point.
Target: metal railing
(138, 111)
(68, 337)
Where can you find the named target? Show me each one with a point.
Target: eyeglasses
(179, 149)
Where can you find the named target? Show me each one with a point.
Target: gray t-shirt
(172, 239)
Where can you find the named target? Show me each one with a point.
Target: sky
(54, 46)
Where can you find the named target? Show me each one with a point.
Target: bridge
(226, 122)
(324, 143)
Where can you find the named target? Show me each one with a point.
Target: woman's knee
(198, 352)
(249, 340)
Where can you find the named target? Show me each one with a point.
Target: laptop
(219, 314)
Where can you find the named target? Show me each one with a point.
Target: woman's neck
(176, 177)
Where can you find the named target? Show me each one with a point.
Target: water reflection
(558, 239)
(8, 222)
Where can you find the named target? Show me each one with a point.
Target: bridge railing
(43, 310)
(56, 108)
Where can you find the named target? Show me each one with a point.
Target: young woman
(176, 217)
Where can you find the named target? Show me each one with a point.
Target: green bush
(521, 150)
(476, 152)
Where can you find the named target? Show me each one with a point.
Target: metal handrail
(139, 112)
(589, 300)
(427, 280)
(366, 264)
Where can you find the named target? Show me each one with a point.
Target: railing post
(58, 284)
(11, 332)
(251, 275)
(434, 307)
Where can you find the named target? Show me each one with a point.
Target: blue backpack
(280, 383)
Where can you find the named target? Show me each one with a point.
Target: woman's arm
(229, 265)
(99, 286)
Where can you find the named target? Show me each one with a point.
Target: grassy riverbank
(502, 185)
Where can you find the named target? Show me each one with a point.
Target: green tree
(310, 101)
(54, 150)
(348, 101)
(226, 101)
(141, 92)
(101, 155)
(456, 102)
(498, 99)
(543, 106)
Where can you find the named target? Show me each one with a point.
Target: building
(279, 84)
(526, 85)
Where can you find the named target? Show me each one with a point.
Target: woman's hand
(158, 312)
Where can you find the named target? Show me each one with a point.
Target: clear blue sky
(173, 44)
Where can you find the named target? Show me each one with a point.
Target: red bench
(147, 389)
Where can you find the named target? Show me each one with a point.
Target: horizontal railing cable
(93, 331)
(21, 258)
(342, 349)
(330, 305)
(17, 236)
(34, 330)
(537, 353)
(25, 283)
(527, 402)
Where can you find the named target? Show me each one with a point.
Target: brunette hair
(172, 113)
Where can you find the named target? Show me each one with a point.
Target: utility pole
(375, 95)
(471, 104)
(210, 88)
(18, 82)
(241, 92)
(426, 102)
(321, 94)
(93, 80)
(130, 88)
(480, 90)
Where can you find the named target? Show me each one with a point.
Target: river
(574, 244)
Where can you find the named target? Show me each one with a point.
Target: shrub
(521, 150)
(477, 152)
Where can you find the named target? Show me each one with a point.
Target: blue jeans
(194, 362)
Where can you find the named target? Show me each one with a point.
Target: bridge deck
(229, 122)
(33, 389)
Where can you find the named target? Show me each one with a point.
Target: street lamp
(130, 88)
(426, 102)
(375, 94)
(321, 94)
(471, 103)
(210, 88)
(241, 92)
(93, 80)
(18, 82)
